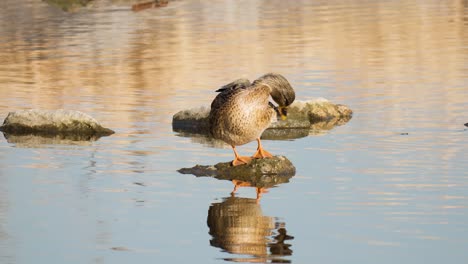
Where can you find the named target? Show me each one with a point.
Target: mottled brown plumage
(242, 111)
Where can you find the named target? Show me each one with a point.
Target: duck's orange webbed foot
(261, 153)
(239, 160)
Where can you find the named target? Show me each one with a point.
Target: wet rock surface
(71, 124)
(302, 114)
(193, 120)
(259, 172)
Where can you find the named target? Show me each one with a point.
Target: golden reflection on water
(238, 226)
(184, 50)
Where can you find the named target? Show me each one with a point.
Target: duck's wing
(228, 90)
(237, 84)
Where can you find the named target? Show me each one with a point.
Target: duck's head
(281, 91)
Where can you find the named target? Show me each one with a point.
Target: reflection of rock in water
(31, 141)
(238, 226)
(203, 139)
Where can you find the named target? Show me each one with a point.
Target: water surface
(390, 186)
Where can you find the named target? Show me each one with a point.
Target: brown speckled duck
(242, 111)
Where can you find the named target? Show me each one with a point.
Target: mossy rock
(52, 122)
(266, 172)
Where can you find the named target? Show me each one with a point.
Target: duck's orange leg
(238, 183)
(239, 160)
(261, 191)
(261, 153)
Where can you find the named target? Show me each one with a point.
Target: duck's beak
(283, 111)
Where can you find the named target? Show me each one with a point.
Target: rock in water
(52, 122)
(193, 120)
(259, 173)
(278, 166)
(301, 116)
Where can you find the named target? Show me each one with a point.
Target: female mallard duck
(242, 111)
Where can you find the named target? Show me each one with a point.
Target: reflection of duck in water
(261, 183)
(238, 226)
(241, 112)
(238, 183)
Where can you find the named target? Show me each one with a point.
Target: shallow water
(390, 186)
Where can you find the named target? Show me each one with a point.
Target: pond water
(389, 186)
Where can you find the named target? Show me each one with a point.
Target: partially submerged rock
(304, 118)
(49, 122)
(302, 114)
(194, 120)
(259, 172)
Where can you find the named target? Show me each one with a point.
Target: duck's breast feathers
(243, 114)
(257, 94)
